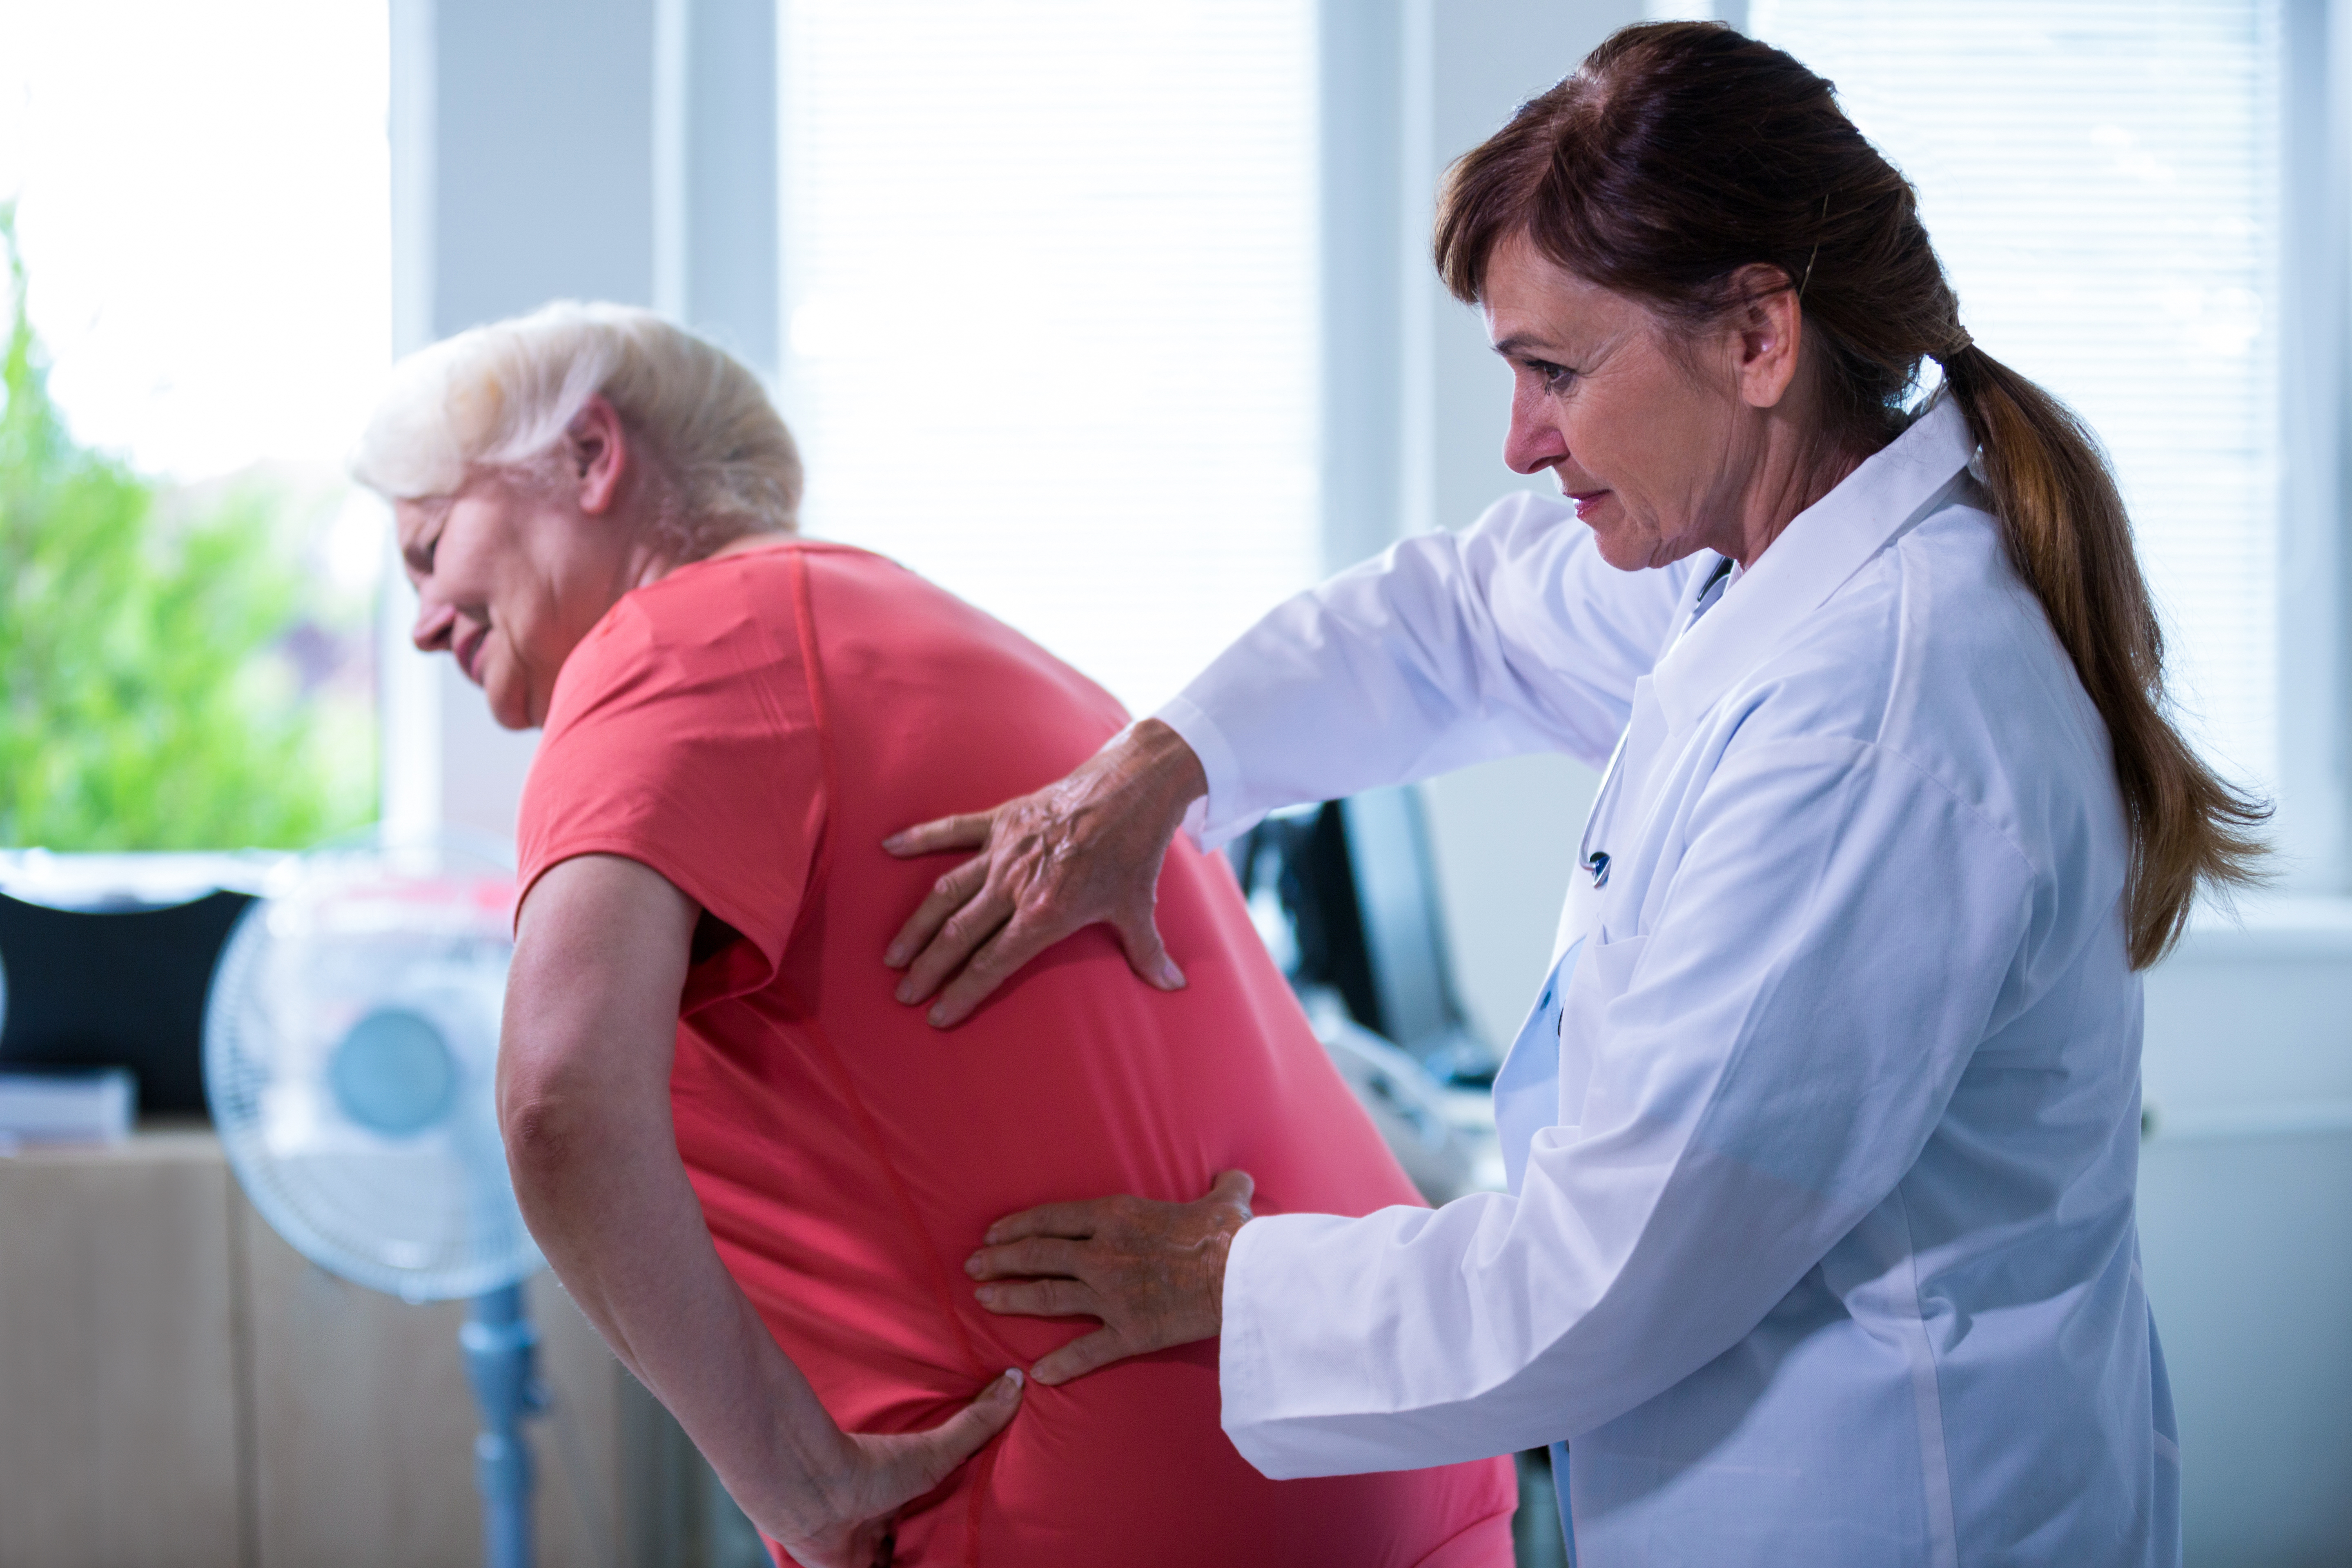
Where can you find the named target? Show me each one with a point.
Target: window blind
(1050, 273)
(2101, 178)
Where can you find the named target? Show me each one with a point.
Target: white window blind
(2101, 178)
(1050, 287)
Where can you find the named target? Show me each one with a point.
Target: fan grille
(419, 1205)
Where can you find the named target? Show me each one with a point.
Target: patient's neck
(745, 543)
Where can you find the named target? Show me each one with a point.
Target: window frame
(2314, 824)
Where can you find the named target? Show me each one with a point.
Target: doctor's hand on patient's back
(1084, 849)
(1154, 1273)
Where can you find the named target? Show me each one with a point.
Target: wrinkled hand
(1087, 849)
(849, 1525)
(1154, 1273)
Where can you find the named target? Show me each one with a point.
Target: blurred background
(1116, 317)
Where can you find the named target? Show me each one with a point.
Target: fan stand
(502, 1349)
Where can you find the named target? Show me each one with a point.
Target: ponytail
(2063, 523)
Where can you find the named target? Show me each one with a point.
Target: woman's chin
(510, 705)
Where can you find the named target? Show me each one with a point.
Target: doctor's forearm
(1395, 670)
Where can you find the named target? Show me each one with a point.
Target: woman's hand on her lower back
(1085, 849)
(844, 1521)
(1154, 1272)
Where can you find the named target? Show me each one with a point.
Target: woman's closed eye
(419, 556)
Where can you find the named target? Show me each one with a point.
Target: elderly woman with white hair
(755, 1171)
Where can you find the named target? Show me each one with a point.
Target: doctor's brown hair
(1680, 153)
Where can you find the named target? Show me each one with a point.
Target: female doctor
(1823, 1132)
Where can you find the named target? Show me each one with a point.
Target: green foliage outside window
(150, 697)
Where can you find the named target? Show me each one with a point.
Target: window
(1050, 290)
(206, 219)
(202, 196)
(2103, 181)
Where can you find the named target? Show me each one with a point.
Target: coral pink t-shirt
(751, 727)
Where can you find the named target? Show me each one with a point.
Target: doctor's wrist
(1151, 759)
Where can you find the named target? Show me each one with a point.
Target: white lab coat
(1826, 1255)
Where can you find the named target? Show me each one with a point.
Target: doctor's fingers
(963, 942)
(1139, 933)
(967, 831)
(1019, 939)
(948, 894)
(1078, 1219)
(1041, 1299)
(1030, 1259)
(1127, 1219)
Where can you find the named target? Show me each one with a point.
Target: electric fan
(349, 1046)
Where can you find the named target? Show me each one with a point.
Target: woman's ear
(599, 448)
(1770, 325)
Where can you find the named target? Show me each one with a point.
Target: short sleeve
(683, 734)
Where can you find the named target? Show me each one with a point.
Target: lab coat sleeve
(1769, 1058)
(1514, 635)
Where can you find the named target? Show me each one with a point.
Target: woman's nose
(1533, 442)
(431, 632)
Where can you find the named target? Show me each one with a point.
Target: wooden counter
(178, 1386)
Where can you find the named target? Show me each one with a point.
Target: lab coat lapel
(1815, 556)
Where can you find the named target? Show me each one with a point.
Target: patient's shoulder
(709, 632)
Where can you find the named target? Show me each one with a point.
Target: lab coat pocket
(1605, 974)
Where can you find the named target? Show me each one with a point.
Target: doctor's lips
(1586, 501)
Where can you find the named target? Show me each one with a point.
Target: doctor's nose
(431, 632)
(1533, 443)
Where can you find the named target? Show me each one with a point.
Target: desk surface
(182, 1387)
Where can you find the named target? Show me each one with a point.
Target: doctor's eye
(1554, 377)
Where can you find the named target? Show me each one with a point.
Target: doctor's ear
(597, 453)
(1765, 329)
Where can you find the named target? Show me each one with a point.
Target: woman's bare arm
(599, 962)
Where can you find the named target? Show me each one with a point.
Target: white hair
(499, 400)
